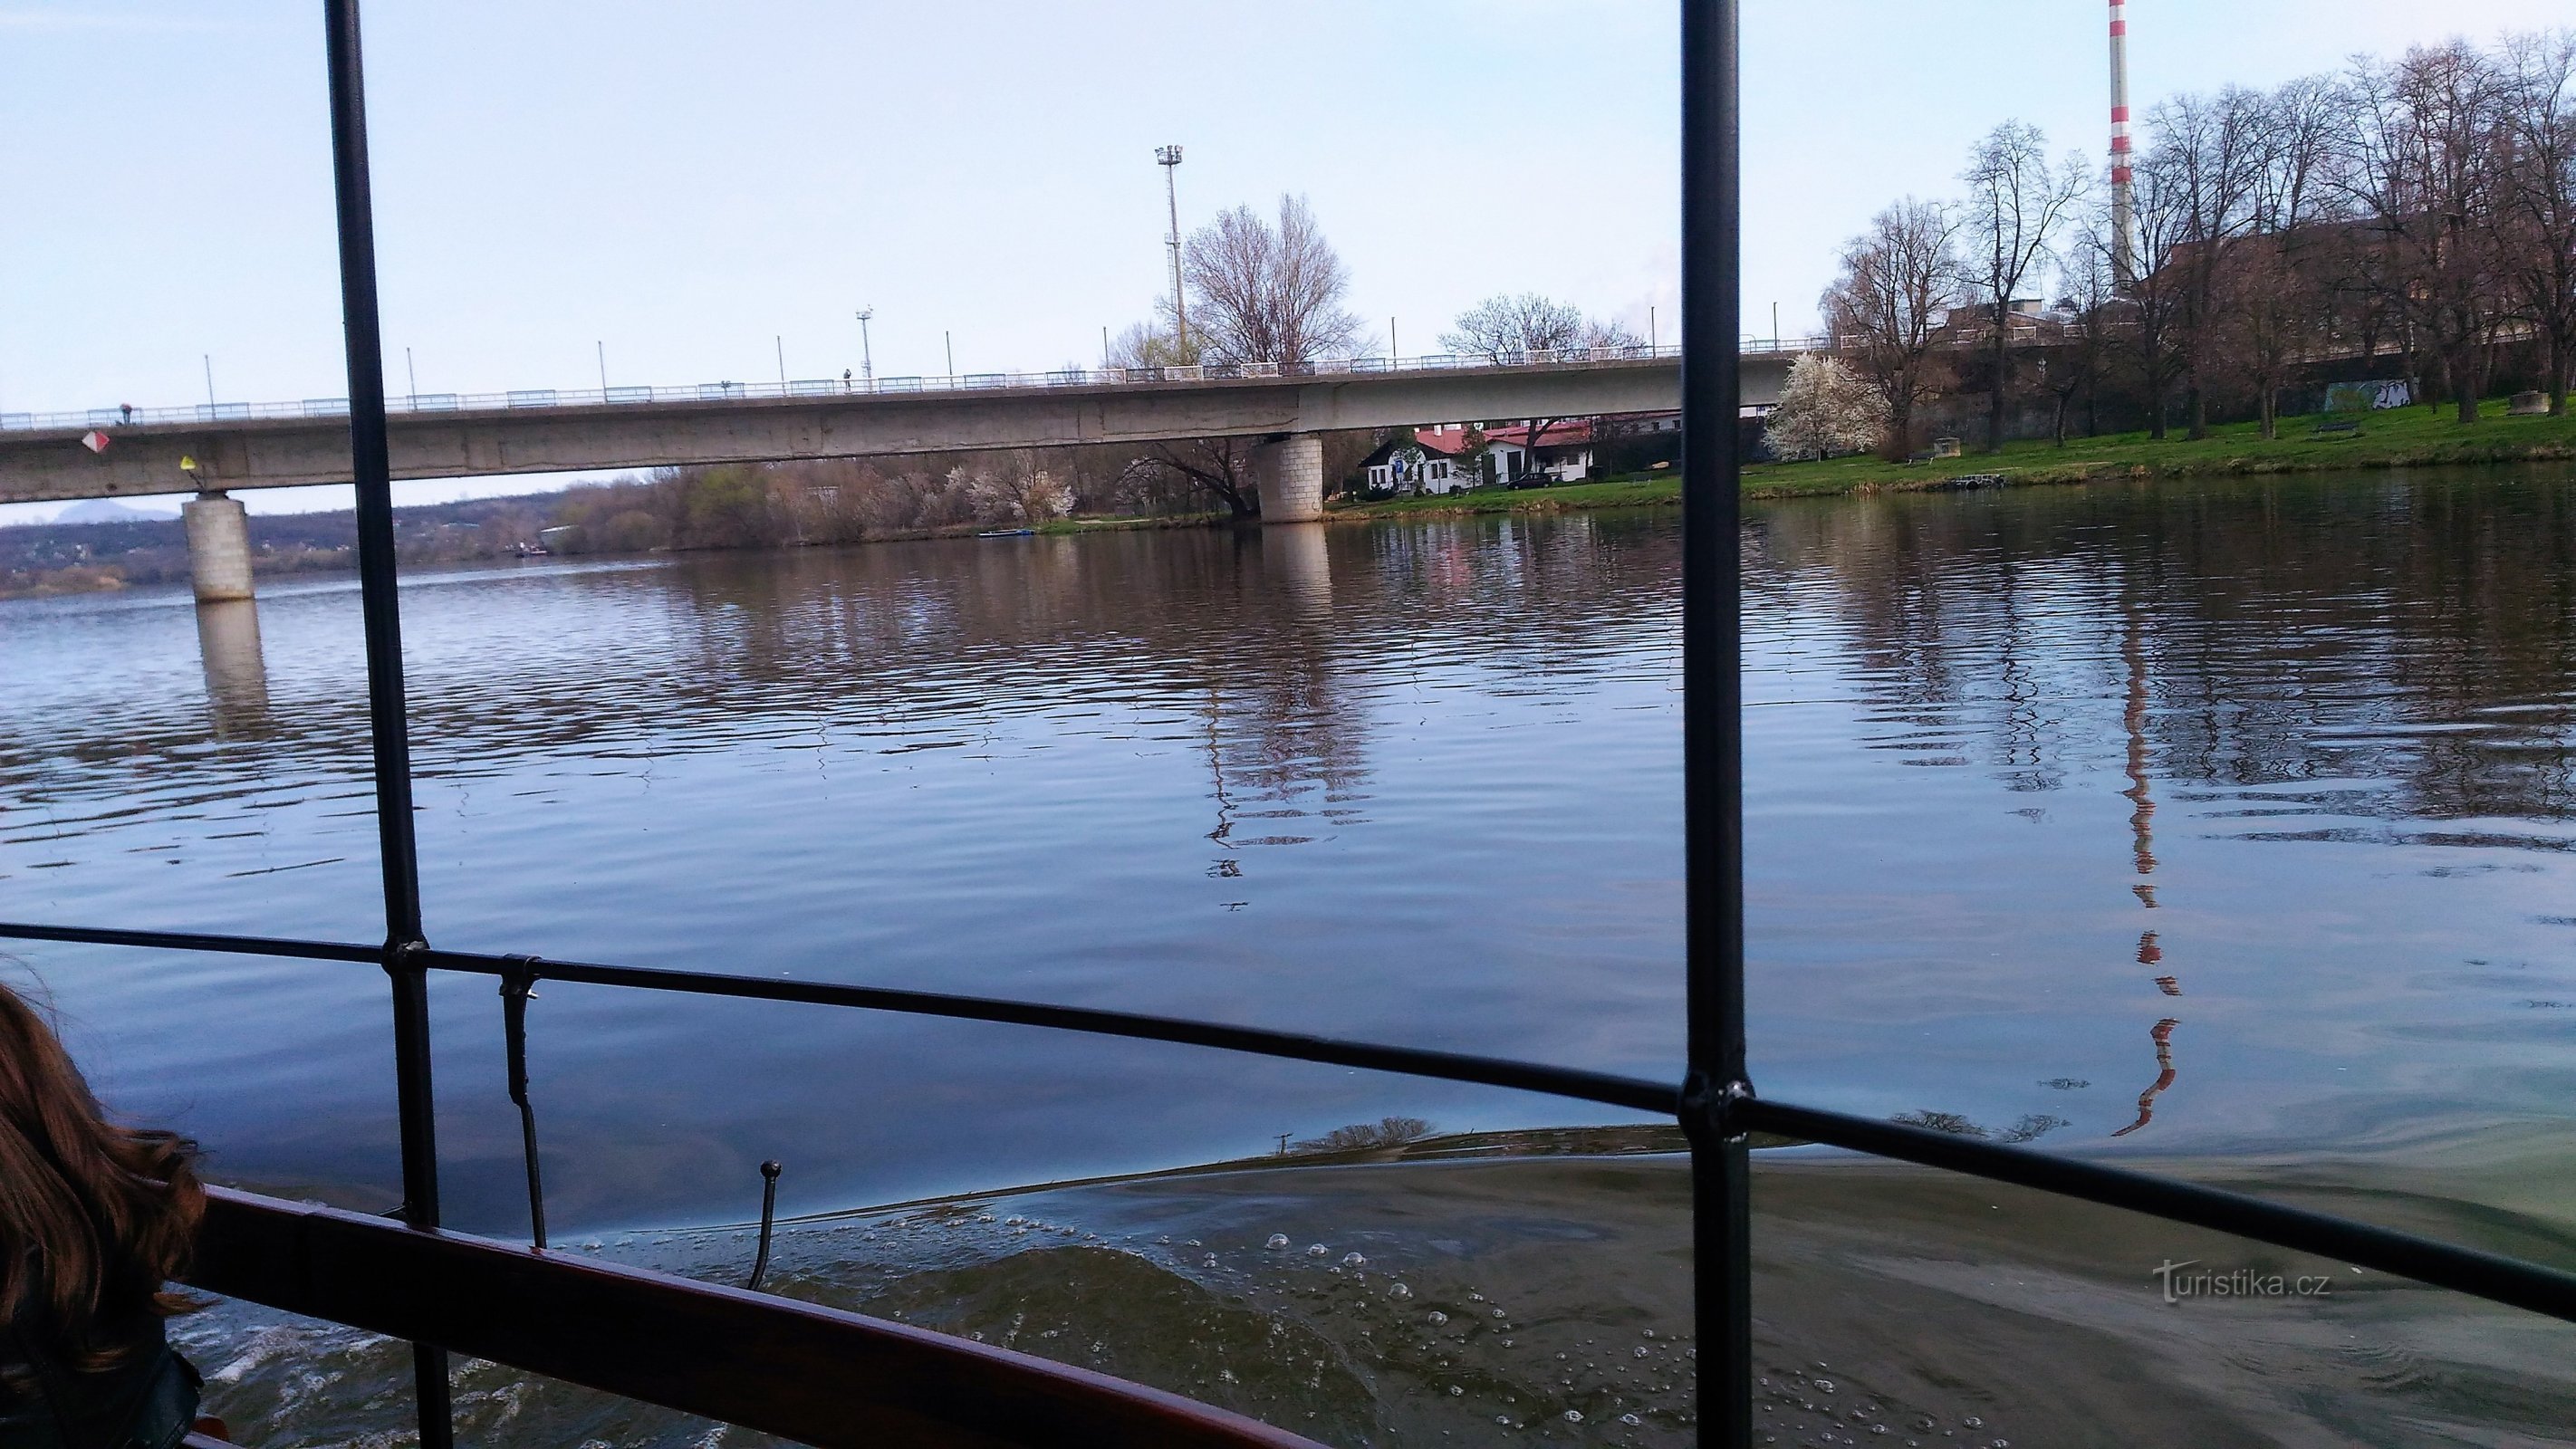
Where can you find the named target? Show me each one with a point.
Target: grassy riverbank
(2407, 437)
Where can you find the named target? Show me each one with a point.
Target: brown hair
(94, 1217)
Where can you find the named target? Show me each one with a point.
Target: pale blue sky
(686, 181)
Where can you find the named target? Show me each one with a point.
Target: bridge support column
(1290, 474)
(218, 547)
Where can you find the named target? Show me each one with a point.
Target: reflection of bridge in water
(1276, 645)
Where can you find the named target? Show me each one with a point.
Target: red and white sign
(94, 440)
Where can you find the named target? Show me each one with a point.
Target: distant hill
(105, 544)
(108, 510)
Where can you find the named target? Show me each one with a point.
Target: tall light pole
(867, 358)
(1169, 158)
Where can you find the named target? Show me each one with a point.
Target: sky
(692, 189)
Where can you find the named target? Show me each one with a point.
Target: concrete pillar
(218, 547)
(1290, 474)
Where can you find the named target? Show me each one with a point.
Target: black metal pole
(371, 469)
(1712, 725)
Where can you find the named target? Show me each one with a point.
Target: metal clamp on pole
(1712, 1112)
(518, 983)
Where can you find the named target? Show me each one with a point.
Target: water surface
(2224, 827)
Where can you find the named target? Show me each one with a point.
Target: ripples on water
(2225, 824)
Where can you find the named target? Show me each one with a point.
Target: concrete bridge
(218, 448)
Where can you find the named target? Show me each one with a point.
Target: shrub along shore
(2399, 438)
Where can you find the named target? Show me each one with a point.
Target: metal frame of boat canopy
(1714, 1103)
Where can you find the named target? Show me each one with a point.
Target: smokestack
(2124, 256)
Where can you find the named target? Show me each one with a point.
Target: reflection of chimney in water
(236, 671)
(2142, 851)
(2163, 1037)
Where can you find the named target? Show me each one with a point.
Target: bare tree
(2273, 302)
(1508, 328)
(2207, 149)
(1884, 310)
(2422, 164)
(2538, 214)
(2152, 309)
(2087, 288)
(1264, 291)
(1503, 328)
(2016, 202)
(1151, 344)
(1221, 468)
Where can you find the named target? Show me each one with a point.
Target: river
(2221, 828)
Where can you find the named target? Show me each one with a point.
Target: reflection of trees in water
(2416, 631)
(2030, 1127)
(2412, 638)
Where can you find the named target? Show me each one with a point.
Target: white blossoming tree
(1825, 409)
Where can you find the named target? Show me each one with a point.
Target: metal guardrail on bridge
(699, 392)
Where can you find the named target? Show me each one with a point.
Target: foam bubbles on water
(1278, 1240)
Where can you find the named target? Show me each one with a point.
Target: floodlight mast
(1169, 158)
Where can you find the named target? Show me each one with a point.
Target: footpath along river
(2222, 827)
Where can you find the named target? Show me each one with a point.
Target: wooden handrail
(797, 1370)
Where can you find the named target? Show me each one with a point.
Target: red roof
(1450, 439)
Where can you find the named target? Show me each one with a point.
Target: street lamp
(867, 359)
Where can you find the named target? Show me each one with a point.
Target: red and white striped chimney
(2124, 257)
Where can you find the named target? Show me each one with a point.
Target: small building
(1447, 457)
(1423, 465)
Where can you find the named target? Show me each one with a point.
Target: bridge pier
(1290, 475)
(218, 547)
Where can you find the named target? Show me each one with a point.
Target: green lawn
(1620, 493)
(2397, 438)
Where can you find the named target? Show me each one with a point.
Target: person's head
(94, 1217)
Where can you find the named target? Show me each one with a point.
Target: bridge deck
(548, 432)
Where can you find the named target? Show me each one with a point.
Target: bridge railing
(700, 392)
